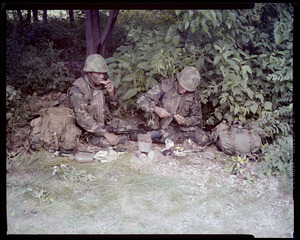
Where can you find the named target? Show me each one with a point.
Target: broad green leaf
(213, 17)
(151, 82)
(254, 107)
(215, 102)
(263, 55)
(193, 26)
(130, 93)
(116, 80)
(217, 47)
(250, 93)
(218, 115)
(175, 40)
(231, 15)
(237, 59)
(227, 54)
(228, 23)
(248, 68)
(260, 96)
(186, 25)
(268, 106)
(236, 109)
(205, 28)
(208, 46)
(278, 38)
(177, 12)
(228, 117)
(128, 78)
(258, 72)
(236, 91)
(170, 33)
(110, 60)
(217, 59)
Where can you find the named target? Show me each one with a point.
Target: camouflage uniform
(93, 107)
(188, 105)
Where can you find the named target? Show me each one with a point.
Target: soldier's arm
(195, 115)
(112, 101)
(83, 117)
(149, 100)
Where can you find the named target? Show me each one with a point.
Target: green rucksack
(239, 138)
(55, 129)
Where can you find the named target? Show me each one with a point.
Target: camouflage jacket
(166, 95)
(92, 106)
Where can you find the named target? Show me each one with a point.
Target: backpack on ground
(55, 129)
(239, 138)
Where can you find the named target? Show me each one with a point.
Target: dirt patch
(144, 194)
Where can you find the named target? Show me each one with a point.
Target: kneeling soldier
(176, 108)
(93, 100)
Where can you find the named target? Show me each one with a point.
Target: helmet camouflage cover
(189, 78)
(95, 63)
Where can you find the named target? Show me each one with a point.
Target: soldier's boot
(200, 137)
(103, 143)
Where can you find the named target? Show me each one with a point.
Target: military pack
(55, 129)
(238, 138)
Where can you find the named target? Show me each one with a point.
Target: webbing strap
(231, 141)
(251, 140)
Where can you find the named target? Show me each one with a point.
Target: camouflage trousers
(199, 136)
(117, 125)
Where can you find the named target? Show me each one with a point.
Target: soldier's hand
(110, 87)
(180, 119)
(161, 112)
(111, 138)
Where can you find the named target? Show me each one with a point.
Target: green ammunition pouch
(55, 129)
(238, 138)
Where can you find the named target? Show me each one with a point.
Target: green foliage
(16, 108)
(69, 173)
(237, 164)
(278, 159)
(141, 62)
(244, 76)
(42, 71)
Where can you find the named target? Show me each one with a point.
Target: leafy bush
(278, 159)
(42, 70)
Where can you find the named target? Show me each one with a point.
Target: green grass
(116, 198)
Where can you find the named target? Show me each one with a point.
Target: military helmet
(189, 78)
(95, 63)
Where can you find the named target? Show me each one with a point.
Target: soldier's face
(97, 79)
(181, 90)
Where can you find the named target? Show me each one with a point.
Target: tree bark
(28, 19)
(92, 32)
(21, 19)
(35, 15)
(71, 15)
(113, 14)
(45, 16)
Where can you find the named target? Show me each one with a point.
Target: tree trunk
(28, 19)
(71, 15)
(21, 19)
(113, 14)
(92, 32)
(45, 16)
(35, 15)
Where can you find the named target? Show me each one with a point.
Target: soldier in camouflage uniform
(93, 99)
(175, 106)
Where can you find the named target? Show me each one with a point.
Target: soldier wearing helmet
(175, 109)
(93, 99)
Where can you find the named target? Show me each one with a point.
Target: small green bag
(238, 138)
